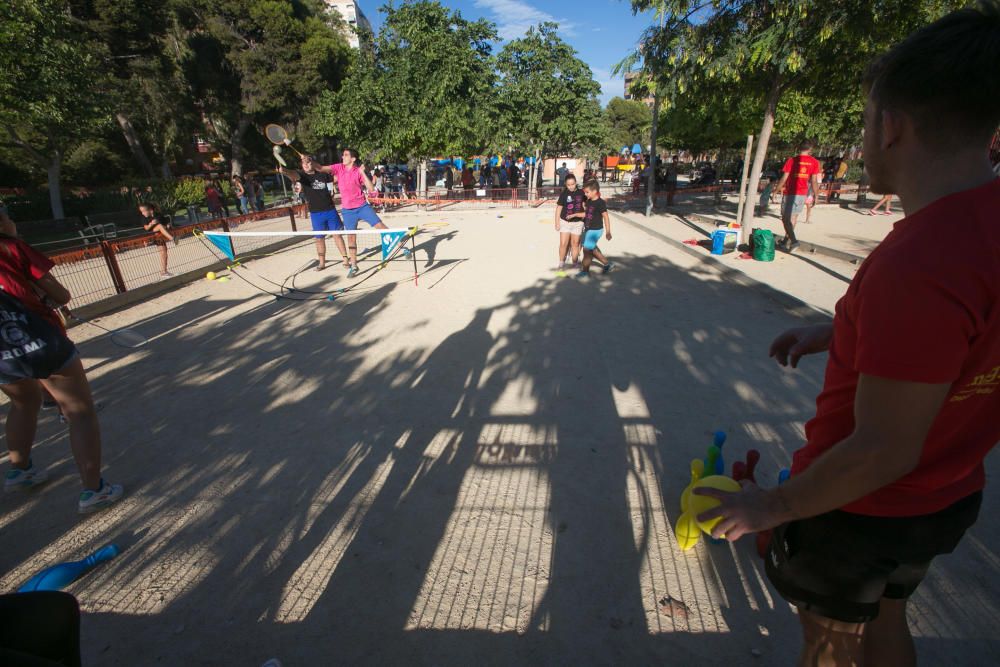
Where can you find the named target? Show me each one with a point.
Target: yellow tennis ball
(697, 503)
(686, 531)
(210, 275)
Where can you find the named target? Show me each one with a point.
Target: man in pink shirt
(353, 182)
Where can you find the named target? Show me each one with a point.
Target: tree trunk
(53, 171)
(132, 138)
(236, 141)
(165, 170)
(760, 154)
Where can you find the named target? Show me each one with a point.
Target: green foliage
(546, 96)
(93, 162)
(628, 122)
(423, 89)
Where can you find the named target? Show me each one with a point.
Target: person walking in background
(885, 201)
(562, 172)
(240, 192)
(797, 175)
(43, 356)
(217, 184)
(160, 226)
(213, 199)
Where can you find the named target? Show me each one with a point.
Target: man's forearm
(851, 469)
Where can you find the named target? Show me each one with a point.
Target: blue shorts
(591, 237)
(354, 215)
(325, 221)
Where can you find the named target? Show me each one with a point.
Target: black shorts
(840, 565)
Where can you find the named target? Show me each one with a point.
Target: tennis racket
(121, 337)
(279, 136)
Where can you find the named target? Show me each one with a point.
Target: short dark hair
(592, 185)
(805, 145)
(944, 76)
(570, 175)
(353, 152)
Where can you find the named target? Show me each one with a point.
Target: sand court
(484, 467)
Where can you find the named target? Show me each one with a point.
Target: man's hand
(795, 343)
(749, 511)
(607, 235)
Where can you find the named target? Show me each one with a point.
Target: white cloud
(513, 17)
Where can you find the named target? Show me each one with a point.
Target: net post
(116, 273)
(291, 218)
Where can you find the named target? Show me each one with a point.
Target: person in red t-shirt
(892, 470)
(799, 175)
(24, 276)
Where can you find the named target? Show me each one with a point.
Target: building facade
(355, 19)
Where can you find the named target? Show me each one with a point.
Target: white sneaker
(166, 274)
(92, 501)
(17, 479)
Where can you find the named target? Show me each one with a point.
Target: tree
(546, 96)
(423, 88)
(257, 62)
(628, 122)
(774, 47)
(53, 91)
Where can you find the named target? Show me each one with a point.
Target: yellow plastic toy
(210, 275)
(687, 531)
(697, 471)
(698, 504)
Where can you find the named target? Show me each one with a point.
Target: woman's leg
(163, 259)
(22, 420)
(576, 246)
(72, 391)
(564, 240)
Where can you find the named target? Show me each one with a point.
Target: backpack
(30, 345)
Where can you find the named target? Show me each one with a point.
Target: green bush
(93, 163)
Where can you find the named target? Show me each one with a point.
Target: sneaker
(353, 271)
(792, 246)
(406, 252)
(92, 501)
(582, 275)
(607, 267)
(17, 479)
(166, 274)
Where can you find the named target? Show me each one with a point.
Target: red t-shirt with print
(924, 307)
(20, 265)
(800, 170)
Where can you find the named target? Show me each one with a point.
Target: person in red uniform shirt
(26, 279)
(892, 470)
(798, 176)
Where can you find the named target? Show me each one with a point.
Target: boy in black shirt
(595, 220)
(569, 221)
(322, 213)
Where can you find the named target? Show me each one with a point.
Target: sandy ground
(482, 469)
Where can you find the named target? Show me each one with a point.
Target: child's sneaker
(353, 271)
(17, 479)
(92, 501)
(582, 275)
(607, 267)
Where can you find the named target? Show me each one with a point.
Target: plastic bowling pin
(719, 439)
(711, 461)
(697, 472)
(753, 458)
(784, 475)
(59, 576)
(739, 470)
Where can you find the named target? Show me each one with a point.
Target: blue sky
(602, 31)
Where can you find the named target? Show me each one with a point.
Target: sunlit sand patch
(310, 580)
(491, 568)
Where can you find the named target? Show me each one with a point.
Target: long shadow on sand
(503, 497)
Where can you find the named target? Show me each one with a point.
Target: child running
(569, 221)
(595, 220)
(156, 223)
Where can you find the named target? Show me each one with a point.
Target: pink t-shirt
(351, 183)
